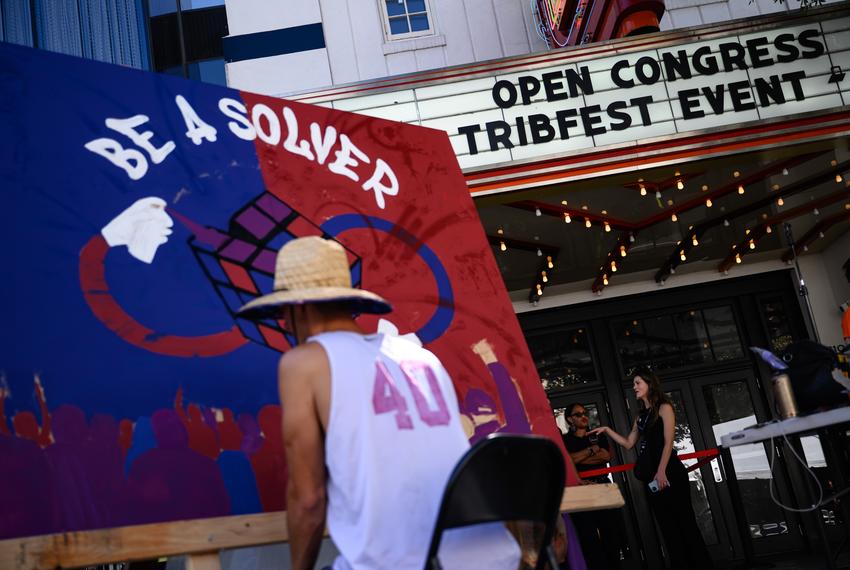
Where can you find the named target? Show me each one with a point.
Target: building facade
(650, 199)
(145, 34)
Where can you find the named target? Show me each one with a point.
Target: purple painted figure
(172, 482)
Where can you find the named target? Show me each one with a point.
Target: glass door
(727, 403)
(705, 496)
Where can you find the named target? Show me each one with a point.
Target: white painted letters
(196, 128)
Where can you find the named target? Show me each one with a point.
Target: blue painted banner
(140, 211)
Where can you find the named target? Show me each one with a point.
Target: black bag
(647, 463)
(646, 466)
(810, 369)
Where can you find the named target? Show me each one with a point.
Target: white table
(790, 426)
(763, 432)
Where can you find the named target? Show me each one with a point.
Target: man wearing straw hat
(371, 426)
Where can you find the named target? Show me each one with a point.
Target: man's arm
(592, 455)
(305, 452)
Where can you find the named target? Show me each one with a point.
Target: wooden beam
(203, 537)
(592, 497)
(141, 542)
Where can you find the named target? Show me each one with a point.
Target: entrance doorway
(708, 406)
(587, 354)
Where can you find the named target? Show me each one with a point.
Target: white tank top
(393, 438)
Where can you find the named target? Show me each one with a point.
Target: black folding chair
(504, 478)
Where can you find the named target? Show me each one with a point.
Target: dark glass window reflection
(563, 358)
(682, 338)
(778, 324)
(723, 331)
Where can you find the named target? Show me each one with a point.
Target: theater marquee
(692, 81)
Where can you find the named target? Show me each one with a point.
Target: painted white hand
(142, 227)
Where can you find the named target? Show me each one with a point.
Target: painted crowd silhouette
(63, 472)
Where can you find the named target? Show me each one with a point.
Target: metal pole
(804, 291)
(180, 38)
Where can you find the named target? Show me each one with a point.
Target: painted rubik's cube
(240, 263)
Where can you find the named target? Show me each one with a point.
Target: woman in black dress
(659, 467)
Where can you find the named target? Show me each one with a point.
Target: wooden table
(202, 539)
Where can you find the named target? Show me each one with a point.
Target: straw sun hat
(312, 270)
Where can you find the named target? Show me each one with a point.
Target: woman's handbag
(646, 465)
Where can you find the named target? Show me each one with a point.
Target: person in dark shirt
(587, 452)
(597, 530)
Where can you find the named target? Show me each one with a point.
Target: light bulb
(500, 231)
(674, 217)
(632, 236)
(784, 172)
(709, 203)
(680, 185)
(642, 190)
(820, 234)
(539, 290)
(549, 263)
(738, 258)
(537, 212)
(816, 212)
(695, 241)
(587, 223)
(736, 174)
(623, 251)
(682, 255)
(780, 202)
(838, 178)
(726, 223)
(613, 266)
(752, 244)
(657, 194)
(605, 280)
(545, 277)
(740, 188)
(503, 246)
(567, 218)
(607, 227)
(539, 252)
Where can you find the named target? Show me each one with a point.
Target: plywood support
(204, 561)
(201, 539)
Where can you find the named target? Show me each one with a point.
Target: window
(406, 18)
(563, 359)
(678, 339)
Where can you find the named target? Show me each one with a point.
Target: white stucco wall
(465, 31)
(357, 48)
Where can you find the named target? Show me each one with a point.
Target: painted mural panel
(140, 211)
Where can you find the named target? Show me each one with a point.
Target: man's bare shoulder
(303, 362)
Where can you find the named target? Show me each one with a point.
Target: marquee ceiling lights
(694, 233)
(628, 228)
(546, 265)
(815, 232)
(606, 271)
(789, 190)
(751, 238)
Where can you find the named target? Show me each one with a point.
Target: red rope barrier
(704, 457)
